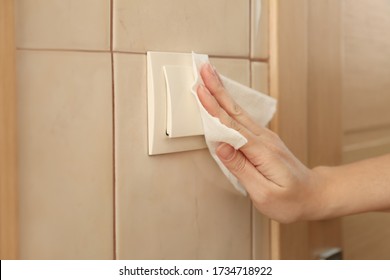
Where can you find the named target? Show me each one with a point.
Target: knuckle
(237, 110)
(274, 149)
(272, 136)
(219, 88)
(234, 124)
(238, 164)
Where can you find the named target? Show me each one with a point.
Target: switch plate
(183, 117)
(159, 141)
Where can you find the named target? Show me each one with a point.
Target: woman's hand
(280, 186)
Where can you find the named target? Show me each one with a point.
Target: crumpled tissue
(259, 106)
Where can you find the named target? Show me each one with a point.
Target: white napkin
(259, 106)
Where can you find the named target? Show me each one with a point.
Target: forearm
(354, 188)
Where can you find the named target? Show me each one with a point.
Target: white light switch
(171, 107)
(183, 117)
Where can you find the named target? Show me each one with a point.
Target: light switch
(174, 112)
(183, 117)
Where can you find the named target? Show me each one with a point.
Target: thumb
(236, 162)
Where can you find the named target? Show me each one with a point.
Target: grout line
(269, 52)
(129, 52)
(111, 25)
(230, 57)
(113, 152)
(250, 27)
(62, 50)
(252, 227)
(265, 60)
(211, 56)
(268, 79)
(252, 243)
(113, 132)
(269, 36)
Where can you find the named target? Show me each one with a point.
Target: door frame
(8, 150)
(305, 71)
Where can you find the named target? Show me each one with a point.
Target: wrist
(323, 198)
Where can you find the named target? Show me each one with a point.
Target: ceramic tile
(63, 24)
(260, 77)
(260, 29)
(65, 155)
(173, 206)
(236, 69)
(219, 27)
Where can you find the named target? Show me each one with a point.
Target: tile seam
(113, 133)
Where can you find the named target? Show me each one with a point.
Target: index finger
(214, 84)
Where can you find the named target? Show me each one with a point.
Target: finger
(236, 162)
(208, 101)
(214, 84)
(257, 146)
(213, 108)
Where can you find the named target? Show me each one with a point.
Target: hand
(280, 186)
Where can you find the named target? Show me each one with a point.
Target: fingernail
(225, 151)
(215, 70)
(203, 88)
(211, 69)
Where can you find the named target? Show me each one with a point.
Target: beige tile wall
(63, 24)
(218, 27)
(86, 179)
(259, 29)
(65, 155)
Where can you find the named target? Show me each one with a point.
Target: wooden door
(366, 118)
